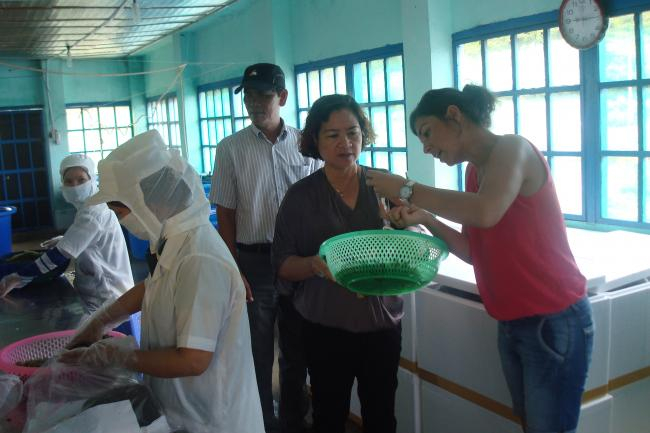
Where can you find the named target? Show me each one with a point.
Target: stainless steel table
(37, 309)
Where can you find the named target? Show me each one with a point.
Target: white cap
(78, 160)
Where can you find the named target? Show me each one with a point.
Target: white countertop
(607, 259)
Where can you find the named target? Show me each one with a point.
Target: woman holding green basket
(514, 236)
(344, 336)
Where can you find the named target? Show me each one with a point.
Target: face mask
(77, 195)
(133, 225)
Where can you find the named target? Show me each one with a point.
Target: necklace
(343, 189)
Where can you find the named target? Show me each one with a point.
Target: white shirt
(251, 175)
(102, 267)
(196, 299)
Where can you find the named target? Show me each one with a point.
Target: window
(221, 112)
(535, 77)
(587, 111)
(624, 88)
(375, 79)
(97, 129)
(312, 84)
(162, 114)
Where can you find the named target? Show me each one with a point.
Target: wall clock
(583, 23)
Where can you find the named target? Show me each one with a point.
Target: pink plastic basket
(36, 347)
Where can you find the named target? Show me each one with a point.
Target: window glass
(498, 59)
(530, 60)
(470, 64)
(91, 130)
(617, 51)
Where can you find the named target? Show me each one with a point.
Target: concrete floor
(31, 241)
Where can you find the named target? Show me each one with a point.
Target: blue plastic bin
(213, 218)
(132, 326)
(5, 228)
(138, 246)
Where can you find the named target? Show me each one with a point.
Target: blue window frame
(24, 180)
(162, 114)
(376, 80)
(221, 112)
(96, 129)
(587, 111)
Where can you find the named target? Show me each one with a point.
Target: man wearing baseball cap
(253, 169)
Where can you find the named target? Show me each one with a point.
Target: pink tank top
(523, 264)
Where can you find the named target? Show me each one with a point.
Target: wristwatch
(406, 191)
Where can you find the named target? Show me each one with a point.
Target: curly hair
(320, 113)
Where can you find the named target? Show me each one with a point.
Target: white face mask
(133, 225)
(77, 195)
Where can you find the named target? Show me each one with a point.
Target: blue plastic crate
(6, 213)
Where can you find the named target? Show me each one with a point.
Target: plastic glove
(10, 282)
(51, 242)
(11, 392)
(107, 317)
(110, 352)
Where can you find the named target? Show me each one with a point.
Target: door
(23, 174)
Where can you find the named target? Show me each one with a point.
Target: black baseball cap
(262, 76)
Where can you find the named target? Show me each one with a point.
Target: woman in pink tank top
(514, 235)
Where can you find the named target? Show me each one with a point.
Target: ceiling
(93, 28)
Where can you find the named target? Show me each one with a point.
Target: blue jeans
(545, 361)
(262, 312)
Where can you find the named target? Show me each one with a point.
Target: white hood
(156, 183)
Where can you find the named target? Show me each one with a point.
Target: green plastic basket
(383, 262)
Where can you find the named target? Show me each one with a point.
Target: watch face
(404, 192)
(582, 22)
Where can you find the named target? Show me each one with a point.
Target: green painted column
(184, 49)
(56, 138)
(137, 95)
(427, 64)
(283, 53)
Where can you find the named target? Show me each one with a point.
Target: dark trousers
(294, 401)
(335, 358)
(256, 267)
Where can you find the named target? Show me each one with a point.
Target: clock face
(582, 22)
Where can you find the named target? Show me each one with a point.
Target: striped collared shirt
(251, 175)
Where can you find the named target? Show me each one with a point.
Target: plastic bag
(59, 392)
(107, 418)
(146, 407)
(11, 393)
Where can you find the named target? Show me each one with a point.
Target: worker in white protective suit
(195, 346)
(94, 240)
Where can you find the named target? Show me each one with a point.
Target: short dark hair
(475, 102)
(320, 113)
